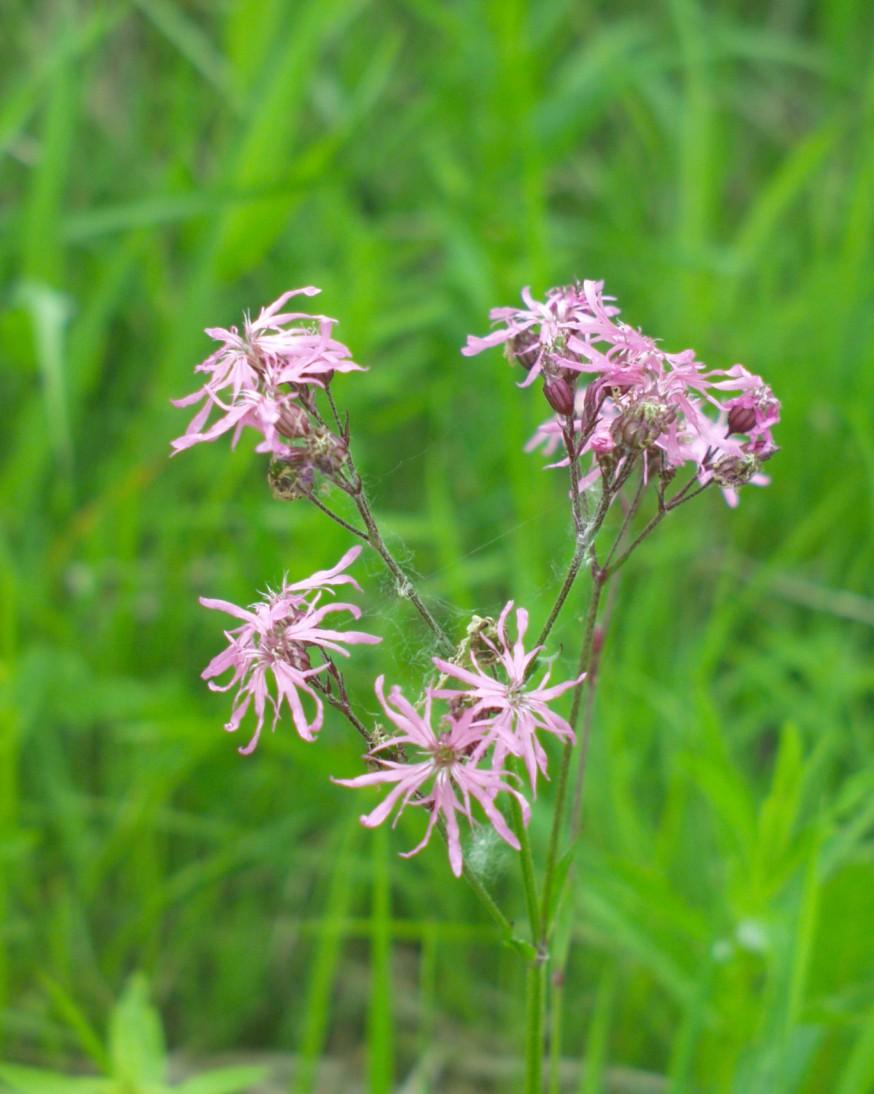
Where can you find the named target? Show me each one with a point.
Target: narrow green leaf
(72, 1013)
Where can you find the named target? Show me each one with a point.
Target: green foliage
(168, 164)
(136, 1060)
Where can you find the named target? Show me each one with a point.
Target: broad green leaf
(136, 1039)
(30, 1080)
(224, 1080)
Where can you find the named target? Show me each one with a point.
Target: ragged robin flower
(277, 640)
(444, 774)
(510, 709)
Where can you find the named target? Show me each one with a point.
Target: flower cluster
(636, 399)
(264, 378)
(492, 718)
(277, 638)
(620, 403)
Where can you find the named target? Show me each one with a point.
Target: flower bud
(560, 395)
(641, 425)
(524, 348)
(735, 470)
(593, 400)
(298, 657)
(607, 458)
(293, 421)
(763, 448)
(741, 419)
(481, 636)
(290, 480)
(327, 451)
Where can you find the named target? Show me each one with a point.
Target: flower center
(516, 696)
(444, 755)
(276, 647)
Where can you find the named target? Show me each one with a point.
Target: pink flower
(276, 638)
(539, 334)
(450, 761)
(257, 378)
(643, 400)
(511, 711)
(723, 459)
(753, 412)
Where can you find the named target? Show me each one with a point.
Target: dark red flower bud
(741, 419)
(560, 395)
(593, 400)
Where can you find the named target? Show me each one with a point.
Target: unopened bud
(641, 425)
(524, 348)
(327, 451)
(482, 634)
(560, 395)
(763, 448)
(593, 400)
(293, 421)
(290, 480)
(735, 470)
(296, 655)
(741, 419)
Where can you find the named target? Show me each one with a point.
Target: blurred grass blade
(192, 43)
(314, 1009)
(380, 1019)
(49, 312)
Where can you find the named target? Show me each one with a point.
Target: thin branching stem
(336, 518)
(680, 498)
(630, 513)
(339, 700)
(349, 480)
(334, 410)
(653, 523)
(488, 901)
(350, 716)
(404, 586)
(574, 473)
(584, 543)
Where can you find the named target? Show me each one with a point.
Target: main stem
(549, 877)
(535, 995)
(535, 990)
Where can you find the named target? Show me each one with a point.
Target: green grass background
(167, 164)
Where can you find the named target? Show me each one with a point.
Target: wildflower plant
(638, 432)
